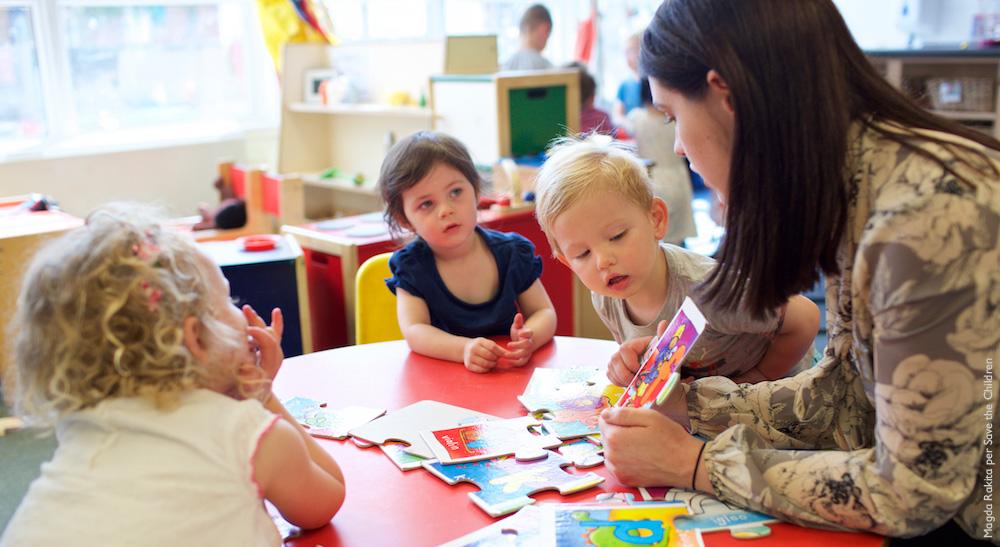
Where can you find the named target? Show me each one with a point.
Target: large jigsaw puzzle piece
(330, 423)
(489, 440)
(505, 483)
(573, 417)
(708, 513)
(522, 529)
(406, 424)
(556, 384)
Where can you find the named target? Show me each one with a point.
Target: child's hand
(522, 342)
(267, 339)
(482, 354)
(625, 362)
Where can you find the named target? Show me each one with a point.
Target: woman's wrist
(700, 476)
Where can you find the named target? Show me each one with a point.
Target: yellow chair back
(374, 304)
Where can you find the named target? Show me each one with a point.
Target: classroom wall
(883, 25)
(177, 177)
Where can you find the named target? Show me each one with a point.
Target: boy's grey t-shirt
(731, 344)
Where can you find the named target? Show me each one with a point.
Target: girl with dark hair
(458, 283)
(823, 166)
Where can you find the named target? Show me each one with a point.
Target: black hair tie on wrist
(697, 462)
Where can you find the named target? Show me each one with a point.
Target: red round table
(386, 506)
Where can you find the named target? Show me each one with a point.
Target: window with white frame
(385, 20)
(84, 71)
(22, 106)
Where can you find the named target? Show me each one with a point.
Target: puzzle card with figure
(406, 424)
(490, 439)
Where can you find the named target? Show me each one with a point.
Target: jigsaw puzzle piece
(405, 424)
(583, 454)
(505, 484)
(563, 383)
(623, 498)
(575, 417)
(396, 452)
(322, 421)
(489, 440)
(522, 529)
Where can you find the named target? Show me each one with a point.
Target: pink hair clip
(153, 294)
(145, 249)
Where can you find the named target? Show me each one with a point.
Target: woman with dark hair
(824, 166)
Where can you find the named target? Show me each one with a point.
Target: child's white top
(126, 473)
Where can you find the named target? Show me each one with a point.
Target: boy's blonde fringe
(576, 169)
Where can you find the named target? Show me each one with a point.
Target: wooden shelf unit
(351, 137)
(909, 71)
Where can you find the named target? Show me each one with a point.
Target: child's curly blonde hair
(101, 314)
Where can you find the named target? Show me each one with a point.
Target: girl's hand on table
(482, 354)
(522, 343)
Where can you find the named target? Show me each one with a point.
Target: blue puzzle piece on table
(297, 406)
(505, 483)
(322, 421)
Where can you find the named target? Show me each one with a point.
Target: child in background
(671, 177)
(596, 206)
(592, 119)
(160, 392)
(230, 213)
(629, 96)
(458, 283)
(534, 31)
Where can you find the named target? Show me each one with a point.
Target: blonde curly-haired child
(159, 391)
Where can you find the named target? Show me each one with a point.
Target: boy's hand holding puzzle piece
(660, 369)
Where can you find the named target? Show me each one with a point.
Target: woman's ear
(718, 86)
(659, 216)
(192, 338)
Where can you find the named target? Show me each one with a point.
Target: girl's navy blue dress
(414, 270)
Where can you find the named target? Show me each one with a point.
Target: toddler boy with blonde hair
(595, 204)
